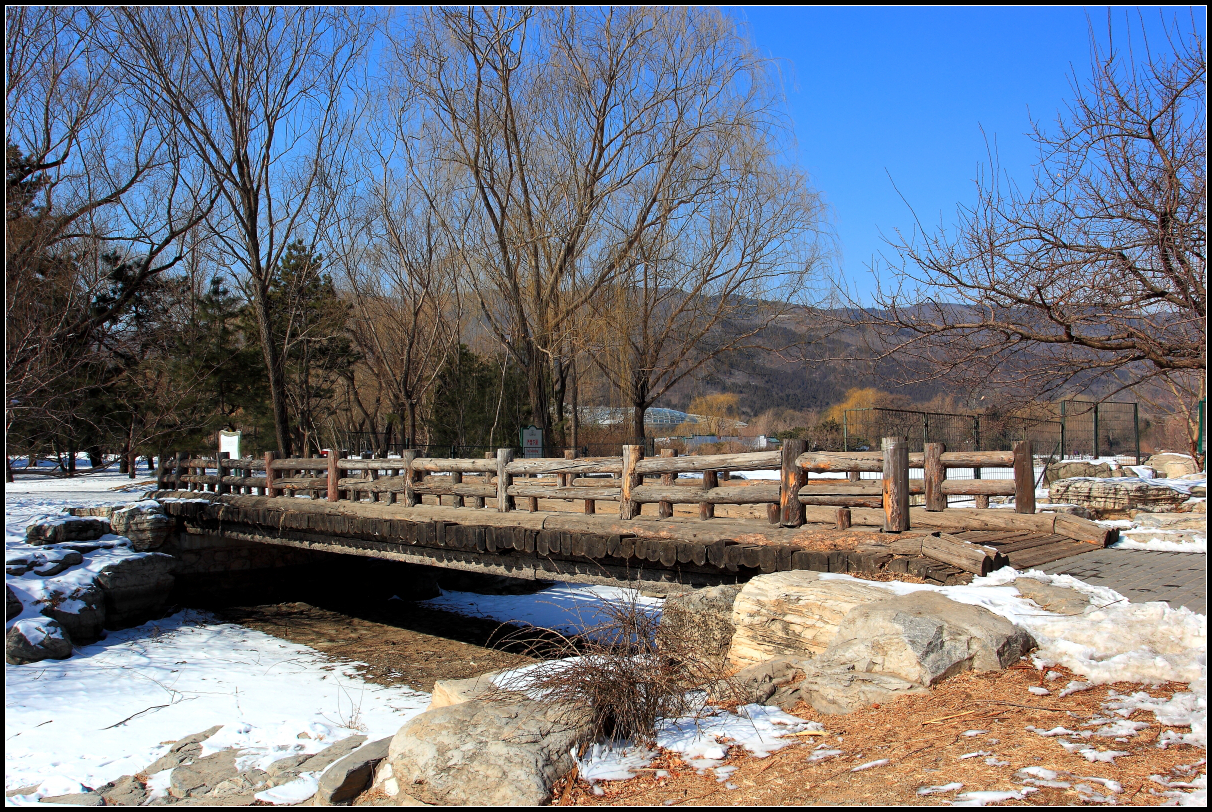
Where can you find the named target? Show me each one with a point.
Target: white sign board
(532, 442)
(229, 441)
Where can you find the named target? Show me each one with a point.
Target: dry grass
(923, 738)
(620, 675)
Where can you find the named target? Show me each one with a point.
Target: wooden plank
(846, 461)
(978, 459)
(978, 487)
(1080, 529)
(874, 502)
(548, 492)
(584, 465)
(959, 553)
(717, 495)
(1029, 543)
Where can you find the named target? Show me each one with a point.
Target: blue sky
(900, 95)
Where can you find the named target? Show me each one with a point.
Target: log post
(629, 509)
(179, 469)
(504, 480)
(334, 473)
(478, 501)
(456, 478)
(270, 490)
(1024, 478)
(532, 504)
(791, 479)
(843, 518)
(854, 476)
(411, 498)
(373, 473)
(896, 485)
(710, 480)
(981, 500)
(665, 509)
(223, 456)
(934, 473)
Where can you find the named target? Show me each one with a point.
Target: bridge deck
(554, 545)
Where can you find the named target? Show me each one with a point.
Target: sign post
(229, 441)
(532, 442)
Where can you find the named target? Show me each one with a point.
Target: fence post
(933, 474)
(896, 485)
(629, 481)
(791, 479)
(1024, 478)
(270, 490)
(223, 455)
(411, 499)
(711, 480)
(179, 469)
(504, 480)
(333, 474)
(1136, 429)
(665, 509)
(478, 501)
(1096, 431)
(161, 473)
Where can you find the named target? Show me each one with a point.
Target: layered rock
(702, 618)
(144, 523)
(136, 588)
(81, 613)
(1172, 466)
(792, 614)
(66, 528)
(31, 641)
(1109, 496)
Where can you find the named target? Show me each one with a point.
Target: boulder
(202, 775)
(332, 753)
(31, 641)
(352, 774)
(1107, 496)
(453, 691)
(702, 618)
(66, 528)
(81, 612)
(792, 614)
(1068, 470)
(1069, 510)
(924, 637)
(183, 751)
(144, 523)
(1171, 521)
(136, 588)
(1172, 466)
(481, 753)
(836, 689)
(12, 604)
(1059, 599)
(56, 562)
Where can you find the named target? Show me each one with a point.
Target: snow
(564, 607)
(116, 706)
(295, 792)
(981, 798)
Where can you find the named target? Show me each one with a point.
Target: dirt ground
(925, 739)
(390, 642)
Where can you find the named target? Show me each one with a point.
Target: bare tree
(567, 131)
(1097, 272)
(261, 98)
(91, 172)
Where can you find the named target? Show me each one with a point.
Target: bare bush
(623, 674)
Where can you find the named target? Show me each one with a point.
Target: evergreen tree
(478, 402)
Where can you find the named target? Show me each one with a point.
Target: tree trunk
(576, 406)
(277, 375)
(537, 391)
(638, 410)
(412, 424)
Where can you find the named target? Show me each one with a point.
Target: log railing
(630, 480)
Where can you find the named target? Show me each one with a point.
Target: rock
(75, 799)
(1171, 465)
(702, 618)
(1199, 491)
(80, 612)
(1199, 506)
(1070, 510)
(202, 775)
(126, 791)
(67, 528)
(31, 641)
(183, 751)
(58, 563)
(289, 765)
(1106, 496)
(1059, 599)
(352, 774)
(1171, 521)
(453, 691)
(144, 523)
(12, 604)
(844, 689)
(332, 753)
(101, 511)
(791, 614)
(924, 637)
(1067, 470)
(135, 588)
(480, 753)
(757, 683)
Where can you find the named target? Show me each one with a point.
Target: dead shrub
(619, 675)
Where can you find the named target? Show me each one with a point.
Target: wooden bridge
(541, 518)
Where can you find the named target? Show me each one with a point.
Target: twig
(952, 716)
(1016, 705)
(133, 715)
